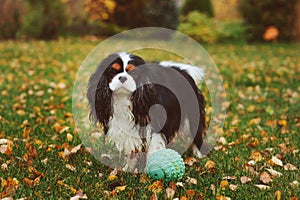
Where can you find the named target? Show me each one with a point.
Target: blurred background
(208, 21)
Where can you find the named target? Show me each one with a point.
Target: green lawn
(36, 79)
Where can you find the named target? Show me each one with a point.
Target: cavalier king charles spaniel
(138, 111)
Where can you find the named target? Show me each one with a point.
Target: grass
(36, 80)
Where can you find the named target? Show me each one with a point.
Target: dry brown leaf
(229, 178)
(233, 187)
(70, 167)
(170, 193)
(265, 178)
(79, 195)
(191, 181)
(114, 172)
(153, 197)
(245, 179)
(76, 149)
(180, 184)
(295, 183)
(290, 167)
(31, 183)
(262, 187)
(274, 173)
(276, 161)
(254, 142)
(190, 161)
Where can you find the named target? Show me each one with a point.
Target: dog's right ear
(99, 95)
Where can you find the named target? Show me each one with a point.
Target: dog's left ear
(99, 95)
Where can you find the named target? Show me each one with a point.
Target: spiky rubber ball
(165, 164)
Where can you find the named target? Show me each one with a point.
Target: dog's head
(117, 74)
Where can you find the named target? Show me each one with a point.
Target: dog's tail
(197, 73)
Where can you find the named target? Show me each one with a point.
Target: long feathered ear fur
(99, 95)
(142, 99)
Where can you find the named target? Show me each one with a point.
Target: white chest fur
(122, 130)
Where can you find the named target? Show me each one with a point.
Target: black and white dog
(123, 91)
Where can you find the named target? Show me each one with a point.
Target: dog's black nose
(122, 79)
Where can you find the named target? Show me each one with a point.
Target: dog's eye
(130, 67)
(116, 66)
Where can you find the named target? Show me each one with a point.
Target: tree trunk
(297, 22)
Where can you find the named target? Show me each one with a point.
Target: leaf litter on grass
(260, 134)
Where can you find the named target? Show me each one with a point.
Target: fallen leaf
(262, 187)
(276, 161)
(190, 193)
(229, 178)
(190, 161)
(114, 172)
(213, 188)
(254, 143)
(278, 195)
(224, 184)
(245, 179)
(233, 187)
(255, 121)
(256, 156)
(153, 197)
(265, 178)
(31, 183)
(76, 149)
(69, 137)
(290, 167)
(170, 193)
(156, 186)
(191, 181)
(144, 178)
(295, 183)
(180, 184)
(112, 177)
(79, 195)
(274, 173)
(210, 164)
(70, 167)
(220, 197)
(120, 188)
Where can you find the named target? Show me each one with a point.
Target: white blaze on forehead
(125, 57)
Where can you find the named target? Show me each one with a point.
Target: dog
(138, 111)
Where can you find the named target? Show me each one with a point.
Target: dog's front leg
(157, 143)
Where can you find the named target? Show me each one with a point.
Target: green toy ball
(165, 164)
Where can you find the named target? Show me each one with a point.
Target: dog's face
(118, 73)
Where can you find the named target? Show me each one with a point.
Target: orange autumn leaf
(156, 186)
(256, 156)
(190, 161)
(224, 184)
(210, 164)
(190, 193)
